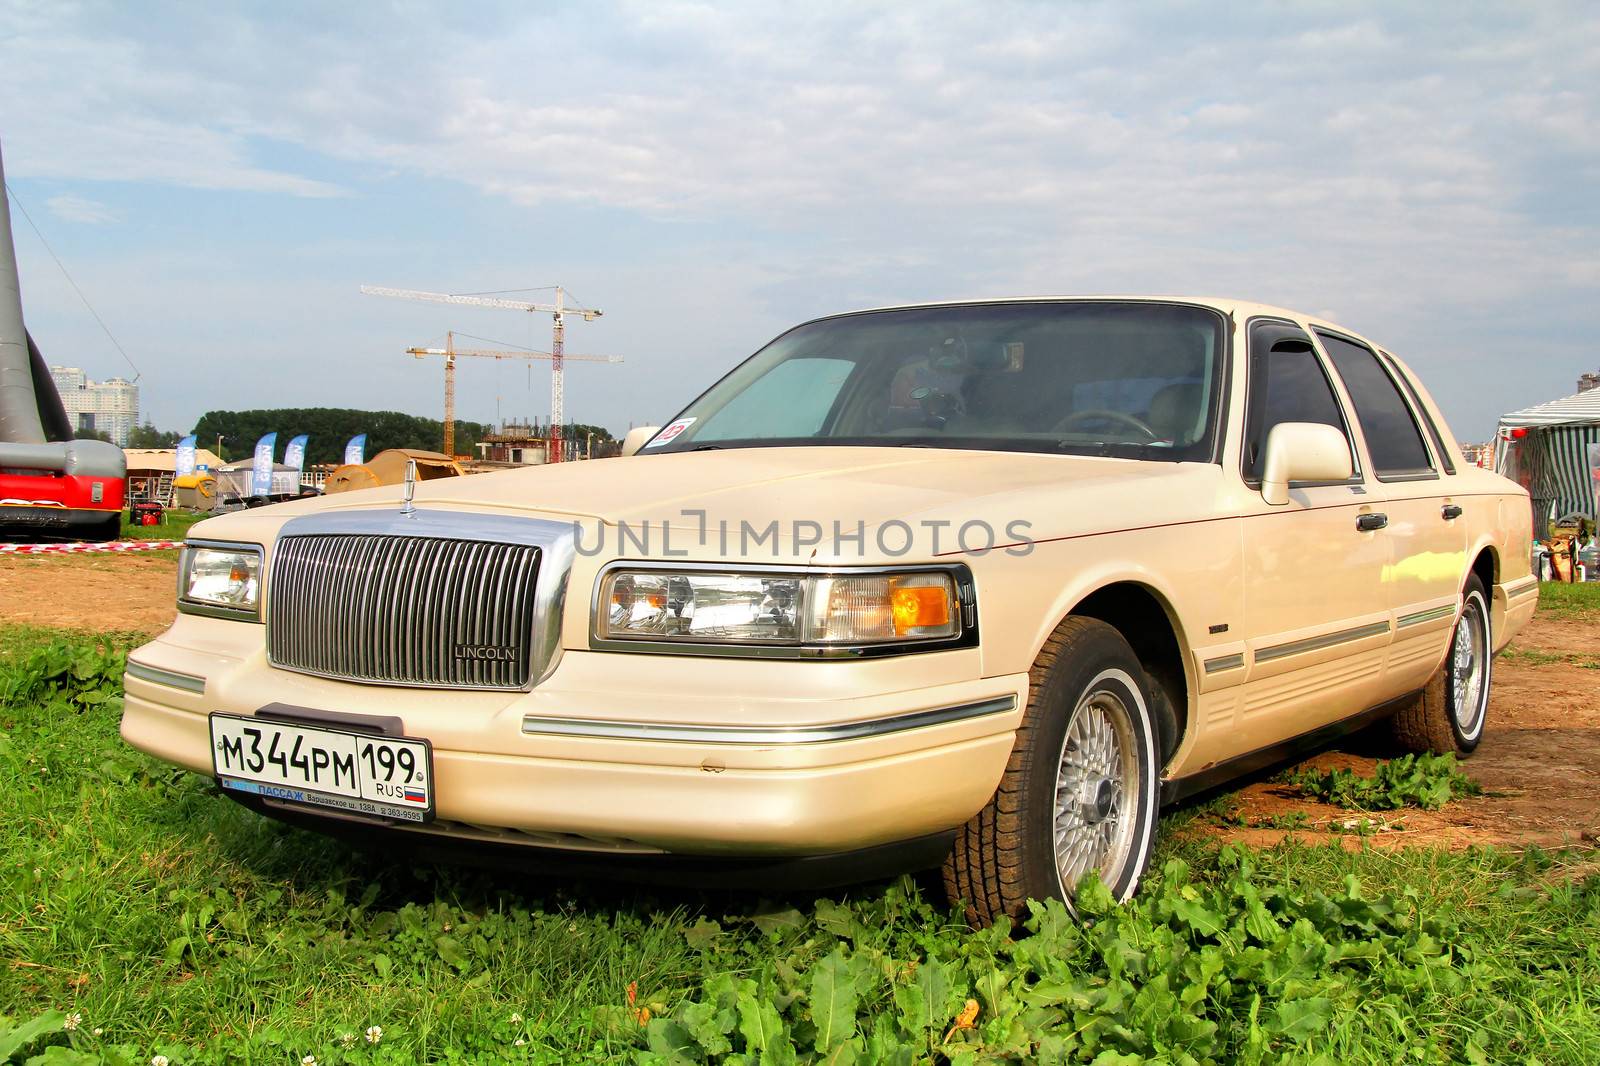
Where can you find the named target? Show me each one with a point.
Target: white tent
(233, 482)
(1545, 448)
(165, 460)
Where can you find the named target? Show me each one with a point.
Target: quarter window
(1393, 437)
(1287, 384)
(1439, 447)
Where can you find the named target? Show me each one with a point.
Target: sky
(219, 179)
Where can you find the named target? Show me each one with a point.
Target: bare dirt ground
(1539, 763)
(94, 592)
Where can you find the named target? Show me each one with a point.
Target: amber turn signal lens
(919, 607)
(624, 597)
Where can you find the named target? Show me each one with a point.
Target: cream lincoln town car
(981, 583)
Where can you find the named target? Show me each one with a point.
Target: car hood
(858, 488)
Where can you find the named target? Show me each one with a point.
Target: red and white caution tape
(74, 547)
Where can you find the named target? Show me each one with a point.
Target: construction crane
(450, 352)
(558, 310)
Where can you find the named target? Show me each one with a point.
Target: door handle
(1368, 522)
(1451, 511)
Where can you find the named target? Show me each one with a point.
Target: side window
(1439, 448)
(1287, 384)
(1392, 434)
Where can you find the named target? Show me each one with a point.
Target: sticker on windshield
(668, 434)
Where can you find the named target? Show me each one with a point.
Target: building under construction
(532, 443)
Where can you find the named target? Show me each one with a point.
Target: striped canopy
(1551, 460)
(1582, 408)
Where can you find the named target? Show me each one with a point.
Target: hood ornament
(406, 510)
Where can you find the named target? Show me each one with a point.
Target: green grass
(1560, 599)
(22, 640)
(174, 526)
(179, 924)
(1534, 657)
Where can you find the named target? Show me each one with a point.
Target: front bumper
(632, 753)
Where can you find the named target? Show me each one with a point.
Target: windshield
(1126, 379)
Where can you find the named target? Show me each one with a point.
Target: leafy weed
(1426, 781)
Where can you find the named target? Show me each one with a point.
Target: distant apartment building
(1589, 381)
(110, 406)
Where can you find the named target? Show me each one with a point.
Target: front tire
(1080, 792)
(1449, 714)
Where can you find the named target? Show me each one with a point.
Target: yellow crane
(451, 352)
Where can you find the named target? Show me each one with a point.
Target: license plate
(385, 777)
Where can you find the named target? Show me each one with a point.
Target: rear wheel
(1080, 791)
(1449, 714)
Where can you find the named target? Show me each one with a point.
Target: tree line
(145, 436)
(329, 428)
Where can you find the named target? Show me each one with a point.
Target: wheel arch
(1486, 566)
(1145, 617)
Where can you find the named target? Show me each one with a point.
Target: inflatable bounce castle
(50, 484)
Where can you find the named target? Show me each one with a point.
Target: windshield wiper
(1118, 449)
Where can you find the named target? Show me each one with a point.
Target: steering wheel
(1114, 416)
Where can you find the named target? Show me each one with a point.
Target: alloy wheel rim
(1468, 664)
(1095, 790)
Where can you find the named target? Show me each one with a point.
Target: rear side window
(1287, 384)
(1393, 436)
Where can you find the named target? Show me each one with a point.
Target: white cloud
(833, 110)
(79, 209)
(103, 105)
(1392, 162)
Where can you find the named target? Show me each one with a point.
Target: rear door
(1316, 614)
(1425, 533)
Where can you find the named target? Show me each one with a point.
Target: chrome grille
(403, 610)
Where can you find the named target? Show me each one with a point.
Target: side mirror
(1302, 451)
(637, 438)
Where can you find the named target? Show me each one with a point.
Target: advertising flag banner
(261, 471)
(356, 451)
(185, 461)
(294, 453)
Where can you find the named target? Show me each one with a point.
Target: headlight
(221, 579)
(785, 610)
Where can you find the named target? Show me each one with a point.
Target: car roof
(1242, 309)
